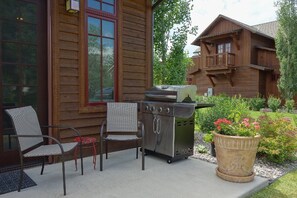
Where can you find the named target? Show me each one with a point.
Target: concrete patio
(122, 177)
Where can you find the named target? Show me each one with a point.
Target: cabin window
(223, 49)
(101, 51)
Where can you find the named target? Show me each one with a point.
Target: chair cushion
(122, 137)
(52, 149)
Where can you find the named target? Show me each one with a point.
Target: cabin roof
(268, 29)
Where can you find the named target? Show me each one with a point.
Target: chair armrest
(64, 127)
(103, 124)
(43, 136)
(141, 127)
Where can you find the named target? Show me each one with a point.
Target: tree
(286, 47)
(172, 23)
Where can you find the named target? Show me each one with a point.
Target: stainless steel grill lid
(172, 93)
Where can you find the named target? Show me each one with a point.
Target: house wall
(256, 41)
(68, 61)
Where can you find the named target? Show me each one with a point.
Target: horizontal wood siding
(68, 58)
(134, 50)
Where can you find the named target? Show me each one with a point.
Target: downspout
(154, 6)
(49, 72)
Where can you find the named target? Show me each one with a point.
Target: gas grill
(169, 120)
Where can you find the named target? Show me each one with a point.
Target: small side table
(87, 142)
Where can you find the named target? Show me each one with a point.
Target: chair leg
(42, 166)
(106, 149)
(101, 154)
(63, 171)
(142, 153)
(21, 175)
(81, 158)
(136, 149)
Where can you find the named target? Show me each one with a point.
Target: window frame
(90, 12)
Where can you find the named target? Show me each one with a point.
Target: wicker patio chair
(32, 143)
(121, 124)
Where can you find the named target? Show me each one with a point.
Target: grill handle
(155, 124)
(158, 126)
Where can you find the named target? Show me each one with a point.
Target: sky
(250, 12)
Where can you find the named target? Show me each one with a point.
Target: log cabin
(236, 59)
(67, 63)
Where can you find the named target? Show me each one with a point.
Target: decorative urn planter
(235, 157)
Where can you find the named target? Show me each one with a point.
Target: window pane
(109, 1)
(94, 26)
(94, 4)
(9, 30)
(28, 55)
(29, 95)
(30, 76)
(94, 61)
(8, 9)
(10, 52)
(108, 68)
(26, 12)
(10, 94)
(107, 29)
(228, 47)
(107, 8)
(10, 74)
(27, 33)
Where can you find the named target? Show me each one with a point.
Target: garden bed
(262, 167)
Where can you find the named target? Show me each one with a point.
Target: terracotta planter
(236, 157)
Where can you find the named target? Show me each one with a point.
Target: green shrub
(256, 103)
(201, 149)
(279, 138)
(289, 105)
(224, 105)
(273, 103)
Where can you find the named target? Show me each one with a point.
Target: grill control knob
(146, 108)
(153, 108)
(160, 109)
(167, 110)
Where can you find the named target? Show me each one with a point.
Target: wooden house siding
(68, 62)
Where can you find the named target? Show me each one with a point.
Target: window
(101, 51)
(221, 49)
(224, 47)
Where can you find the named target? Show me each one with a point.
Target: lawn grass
(284, 187)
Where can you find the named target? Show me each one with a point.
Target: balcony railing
(220, 61)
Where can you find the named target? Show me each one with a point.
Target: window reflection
(10, 74)
(107, 8)
(108, 29)
(94, 26)
(102, 5)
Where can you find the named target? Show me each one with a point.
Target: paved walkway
(122, 177)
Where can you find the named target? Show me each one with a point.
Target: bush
(289, 105)
(224, 105)
(273, 103)
(256, 103)
(279, 138)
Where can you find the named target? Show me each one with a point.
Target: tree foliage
(286, 47)
(172, 23)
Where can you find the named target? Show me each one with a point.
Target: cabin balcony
(221, 61)
(220, 64)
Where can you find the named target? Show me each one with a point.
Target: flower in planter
(238, 127)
